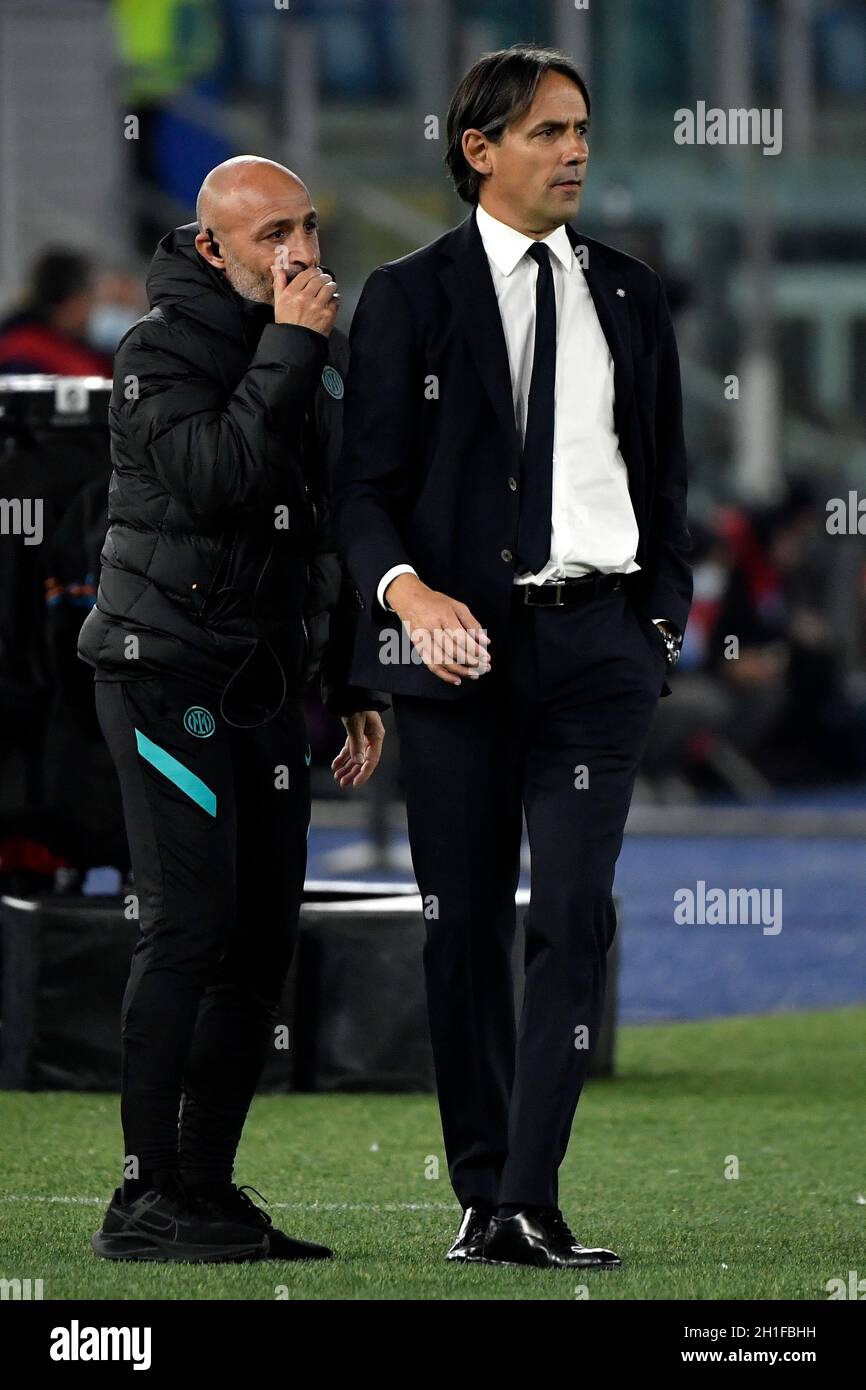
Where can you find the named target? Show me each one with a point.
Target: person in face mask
(49, 331)
(119, 303)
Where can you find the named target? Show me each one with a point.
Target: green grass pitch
(645, 1174)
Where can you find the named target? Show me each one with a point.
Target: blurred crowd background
(112, 111)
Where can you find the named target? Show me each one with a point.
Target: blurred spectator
(687, 735)
(790, 710)
(712, 563)
(120, 301)
(750, 649)
(763, 692)
(48, 332)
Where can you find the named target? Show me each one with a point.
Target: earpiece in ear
(214, 245)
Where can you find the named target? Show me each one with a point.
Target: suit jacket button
(512, 483)
(506, 555)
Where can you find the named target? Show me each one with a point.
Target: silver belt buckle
(557, 603)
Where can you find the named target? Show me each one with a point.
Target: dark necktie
(536, 479)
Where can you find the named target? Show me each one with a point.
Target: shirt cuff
(386, 580)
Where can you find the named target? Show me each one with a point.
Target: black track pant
(217, 820)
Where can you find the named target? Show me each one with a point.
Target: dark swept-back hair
(496, 91)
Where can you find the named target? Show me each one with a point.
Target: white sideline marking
(277, 1206)
(33, 1197)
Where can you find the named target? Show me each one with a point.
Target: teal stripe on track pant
(175, 771)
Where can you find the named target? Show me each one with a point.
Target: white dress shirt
(593, 525)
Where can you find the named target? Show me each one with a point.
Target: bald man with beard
(220, 596)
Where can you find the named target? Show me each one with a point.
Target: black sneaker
(224, 1200)
(159, 1226)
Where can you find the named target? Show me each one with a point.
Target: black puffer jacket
(224, 430)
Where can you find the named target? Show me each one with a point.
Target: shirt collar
(506, 247)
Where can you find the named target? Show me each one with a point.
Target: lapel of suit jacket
(613, 315)
(469, 284)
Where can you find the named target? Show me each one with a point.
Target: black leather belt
(564, 592)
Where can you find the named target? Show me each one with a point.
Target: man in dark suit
(511, 504)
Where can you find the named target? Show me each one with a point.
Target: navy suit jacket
(430, 442)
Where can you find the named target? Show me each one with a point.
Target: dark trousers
(556, 729)
(217, 821)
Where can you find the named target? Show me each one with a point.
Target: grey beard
(253, 288)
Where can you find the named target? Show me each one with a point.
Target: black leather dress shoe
(470, 1238)
(541, 1239)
